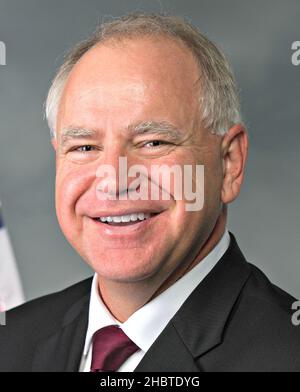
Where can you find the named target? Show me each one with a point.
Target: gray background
(257, 37)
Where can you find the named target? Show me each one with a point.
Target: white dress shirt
(146, 324)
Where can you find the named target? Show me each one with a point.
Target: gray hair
(219, 102)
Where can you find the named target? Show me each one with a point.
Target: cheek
(189, 225)
(71, 183)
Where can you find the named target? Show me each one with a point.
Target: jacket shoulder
(34, 320)
(260, 332)
(51, 306)
(262, 289)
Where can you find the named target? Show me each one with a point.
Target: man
(171, 291)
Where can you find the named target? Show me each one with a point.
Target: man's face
(112, 90)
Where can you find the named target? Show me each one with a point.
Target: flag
(11, 292)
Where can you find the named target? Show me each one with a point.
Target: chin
(121, 267)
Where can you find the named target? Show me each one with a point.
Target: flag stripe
(11, 292)
(1, 219)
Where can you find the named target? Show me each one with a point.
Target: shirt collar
(99, 315)
(146, 324)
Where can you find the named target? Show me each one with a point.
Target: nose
(111, 174)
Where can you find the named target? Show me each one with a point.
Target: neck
(124, 299)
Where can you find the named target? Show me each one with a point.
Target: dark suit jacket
(235, 320)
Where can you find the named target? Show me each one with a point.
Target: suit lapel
(168, 354)
(61, 351)
(199, 324)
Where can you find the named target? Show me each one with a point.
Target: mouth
(125, 220)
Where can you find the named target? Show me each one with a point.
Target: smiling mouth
(125, 220)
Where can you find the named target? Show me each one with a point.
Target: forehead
(156, 74)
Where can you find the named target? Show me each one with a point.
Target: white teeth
(141, 216)
(125, 218)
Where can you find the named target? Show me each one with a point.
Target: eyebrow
(161, 128)
(75, 133)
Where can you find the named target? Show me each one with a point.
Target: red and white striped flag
(11, 292)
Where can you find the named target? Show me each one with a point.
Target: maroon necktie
(111, 348)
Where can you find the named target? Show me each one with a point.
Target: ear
(54, 143)
(234, 155)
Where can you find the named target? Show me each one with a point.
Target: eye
(85, 148)
(83, 153)
(155, 143)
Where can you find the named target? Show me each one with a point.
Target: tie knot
(111, 347)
